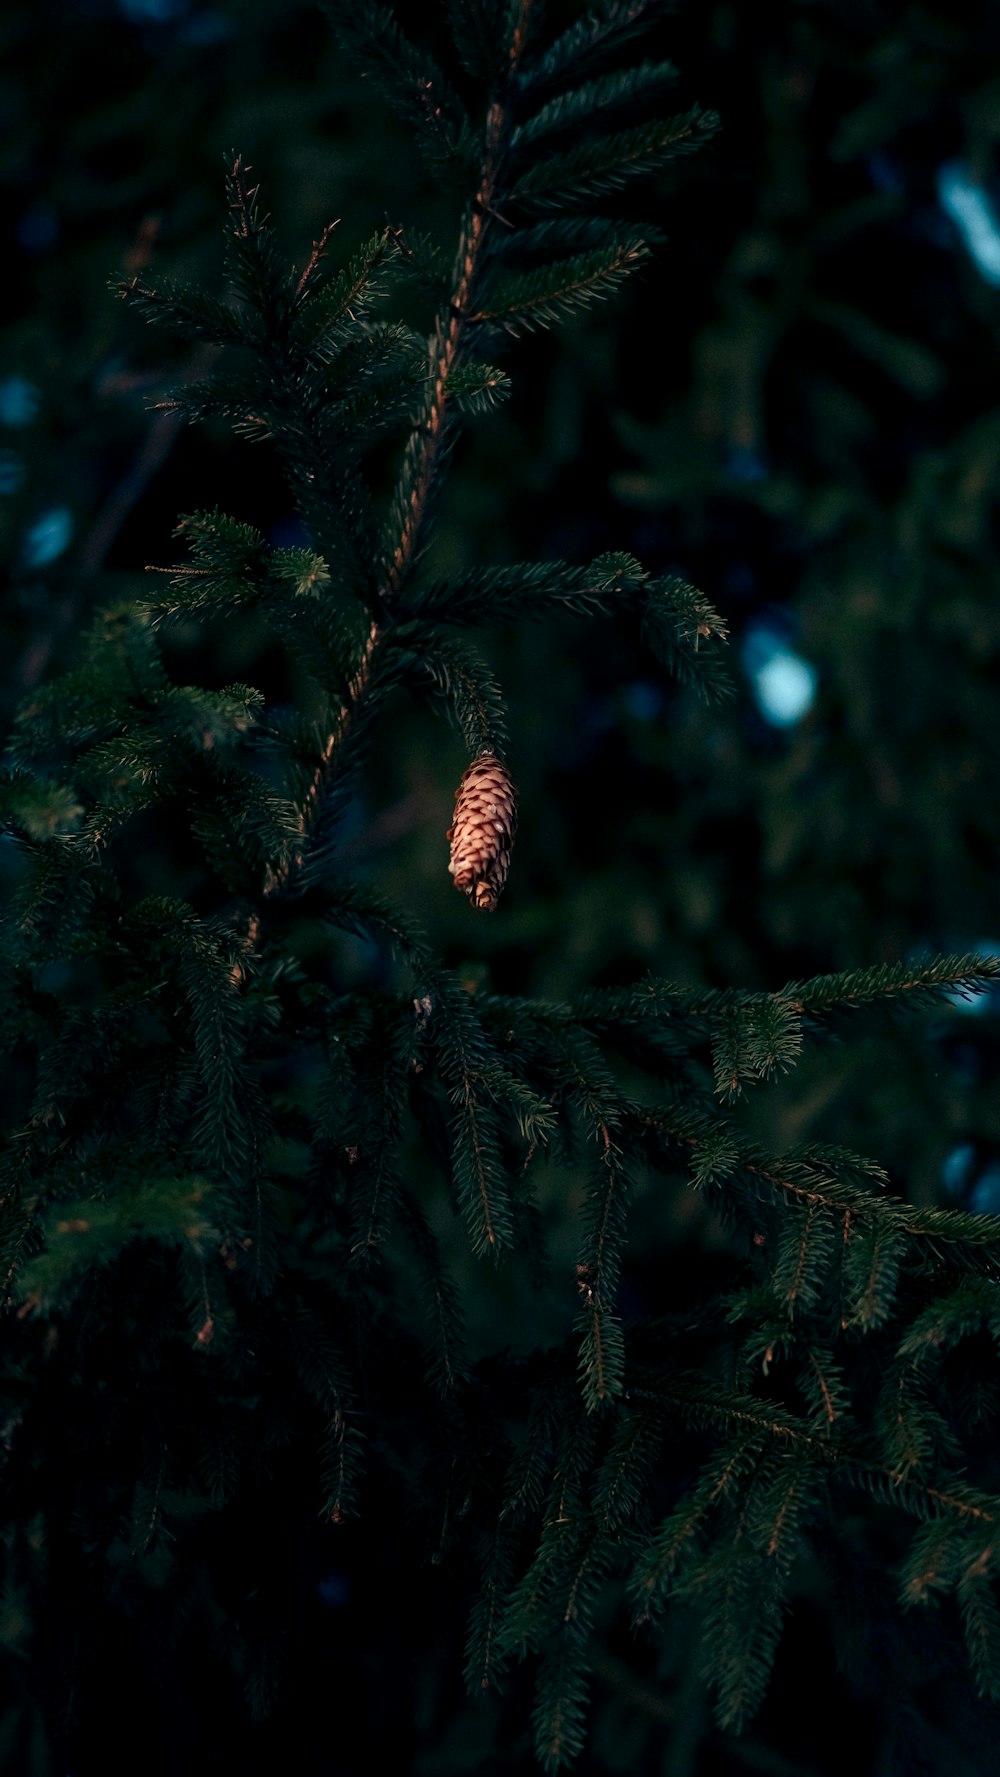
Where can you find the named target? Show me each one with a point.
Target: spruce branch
(827, 1178)
(469, 1069)
(591, 42)
(621, 91)
(405, 77)
(485, 1658)
(701, 1402)
(279, 880)
(446, 1356)
(431, 437)
(324, 1372)
(593, 168)
(913, 983)
(521, 302)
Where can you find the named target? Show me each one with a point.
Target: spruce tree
(253, 1200)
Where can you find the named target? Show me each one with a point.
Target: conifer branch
(429, 440)
(590, 41)
(700, 1402)
(447, 1365)
(280, 879)
(323, 1371)
(530, 299)
(914, 982)
(485, 1659)
(810, 1178)
(469, 1069)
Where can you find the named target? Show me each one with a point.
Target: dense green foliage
(316, 1238)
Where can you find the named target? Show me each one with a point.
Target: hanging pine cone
(483, 829)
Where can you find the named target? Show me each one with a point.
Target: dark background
(797, 408)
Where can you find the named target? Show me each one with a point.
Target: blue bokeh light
(46, 539)
(984, 1198)
(957, 1168)
(973, 212)
(784, 684)
(18, 401)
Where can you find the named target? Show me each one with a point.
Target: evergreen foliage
(234, 1185)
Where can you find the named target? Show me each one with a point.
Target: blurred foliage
(798, 409)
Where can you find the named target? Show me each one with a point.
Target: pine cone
(483, 829)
